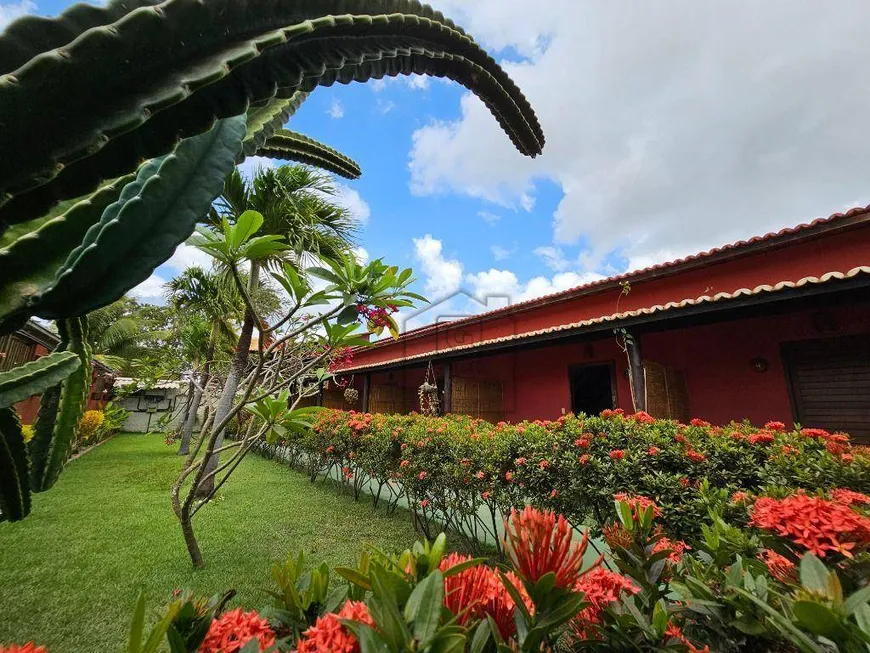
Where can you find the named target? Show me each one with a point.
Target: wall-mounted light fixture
(760, 365)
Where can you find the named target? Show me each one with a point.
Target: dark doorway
(591, 388)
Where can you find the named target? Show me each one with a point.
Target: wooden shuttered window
(14, 352)
(830, 384)
(667, 395)
(392, 399)
(481, 399)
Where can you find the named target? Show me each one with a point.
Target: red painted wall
(814, 257)
(27, 409)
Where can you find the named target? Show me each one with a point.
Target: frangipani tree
(289, 369)
(118, 125)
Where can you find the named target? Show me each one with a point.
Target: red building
(33, 341)
(776, 327)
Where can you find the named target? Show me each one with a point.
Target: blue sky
(672, 128)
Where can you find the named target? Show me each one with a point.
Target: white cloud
(385, 106)
(500, 253)
(11, 11)
(674, 126)
(252, 164)
(417, 82)
(351, 200)
(443, 276)
(553, 258)
(336, 110)
(186, 255)
(488, 217)
(150, 291)
(361, 254)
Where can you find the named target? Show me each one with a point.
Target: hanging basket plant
(351, 396)
(428, 394)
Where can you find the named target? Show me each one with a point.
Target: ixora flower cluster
(462, 471)
(767, 587)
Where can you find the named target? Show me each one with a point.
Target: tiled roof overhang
(718, 301)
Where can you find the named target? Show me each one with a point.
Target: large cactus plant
(119, 123)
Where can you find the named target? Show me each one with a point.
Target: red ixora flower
(328, 635)
(232, 630)
(643, 417)
(637, 503)
(675, 548)
(539, 542)
(739, 497)
(762, 437)
(695, 456)
(779, 566)
(675, 632)
(478, 591)
(581, 442)
(600, 588)
(30, 647)
(422, 476)
(816, 524)
(653, 451)
(849, 497)
(699, 422)
(584, 459)
(617, 454)
(775, 426)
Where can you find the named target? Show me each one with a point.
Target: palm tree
(211, 298)
(119, 334)
(298, 203)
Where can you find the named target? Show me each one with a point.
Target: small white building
(153, 407)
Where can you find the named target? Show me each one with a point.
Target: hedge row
(463, 472)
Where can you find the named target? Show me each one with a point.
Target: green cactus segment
(32, 253)
(154, 214)
(71, 407)
(237, 53)
(14, 490)
(266, 119)
(292, 146)
(35, 377)
(43, 428)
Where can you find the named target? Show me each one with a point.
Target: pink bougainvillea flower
(600, 588)
(779, 566)
(328, 635)
(617, 454)
(232, 630)
(30, 647)
(818, 525)
(539, 542)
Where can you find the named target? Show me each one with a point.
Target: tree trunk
(190, 540)
(190, 421)
(231, 386)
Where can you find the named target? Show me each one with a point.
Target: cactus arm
(293, 146)
(267, 118)
(142, 229)
(14, 489)
(32, 253)
(171, 88)
(34, 377)
(71, 407)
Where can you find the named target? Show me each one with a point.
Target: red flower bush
(818, 525)
(600, 588)
(763, 437)
(617, 454)
(637, 503)
(538, 542)
(780, 567)
(328, 635)
(775, 426)
(676, 549)
(30, 647)
(695, 456)
(232, 630)
(849, 497)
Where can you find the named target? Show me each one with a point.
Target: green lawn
(70, 572)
